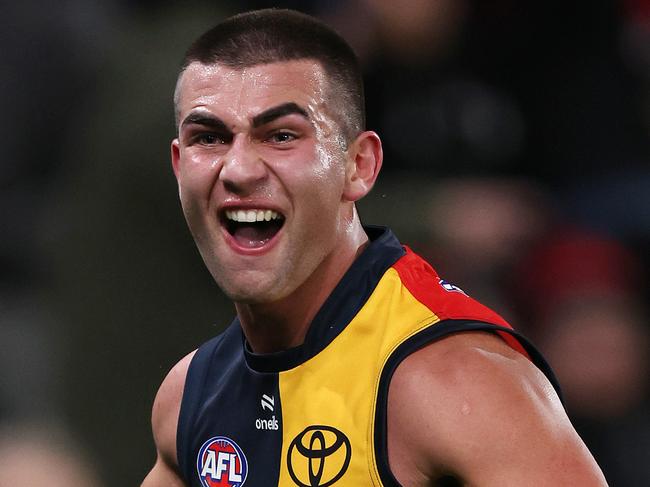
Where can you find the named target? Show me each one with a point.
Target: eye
(209, 139)
(282, 137)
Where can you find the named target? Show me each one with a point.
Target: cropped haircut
(276, 35)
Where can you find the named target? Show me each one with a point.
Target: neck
(283, 324)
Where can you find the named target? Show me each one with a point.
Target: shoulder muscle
(471, 406)
(166, 409)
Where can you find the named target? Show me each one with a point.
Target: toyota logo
(319, 456)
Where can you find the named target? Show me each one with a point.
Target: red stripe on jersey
(424, 284)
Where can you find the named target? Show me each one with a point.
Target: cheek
(320, 188)
(329, 174)
(198, 173)
(325, 164)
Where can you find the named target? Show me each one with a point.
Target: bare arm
(471, 407)
(164, 422)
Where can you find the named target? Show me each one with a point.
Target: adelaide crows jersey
(315, 415)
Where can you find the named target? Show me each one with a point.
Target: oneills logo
(319, 456)
(268, 402)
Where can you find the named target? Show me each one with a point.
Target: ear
(365, 158)
(176, 155)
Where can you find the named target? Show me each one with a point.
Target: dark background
(516, 160)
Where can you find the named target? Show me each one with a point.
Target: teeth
(250, 216)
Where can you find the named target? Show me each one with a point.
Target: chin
(251, 293)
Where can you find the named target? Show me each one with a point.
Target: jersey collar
(347, 298)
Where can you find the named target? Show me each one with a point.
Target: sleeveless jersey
(315, 415)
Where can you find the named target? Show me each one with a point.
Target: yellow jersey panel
(338, 387)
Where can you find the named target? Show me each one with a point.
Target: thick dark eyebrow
(207, 120)
(273, 113)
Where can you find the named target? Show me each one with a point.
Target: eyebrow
(207, 120)
(267, 116)
(273, 113)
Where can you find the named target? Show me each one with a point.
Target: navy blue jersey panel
(192, 395)
(233, 433)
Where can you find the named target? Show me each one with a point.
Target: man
(350, 362)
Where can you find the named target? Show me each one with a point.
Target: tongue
(254, 235)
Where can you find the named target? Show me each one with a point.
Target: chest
(316, 424)
(313, 425)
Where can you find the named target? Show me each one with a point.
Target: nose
(243, 171)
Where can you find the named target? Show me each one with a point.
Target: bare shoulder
(164, 422)
(470, 406)
(473, 365)
(166, 409)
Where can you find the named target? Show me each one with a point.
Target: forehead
(247, 91)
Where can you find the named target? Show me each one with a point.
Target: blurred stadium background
(516, 143)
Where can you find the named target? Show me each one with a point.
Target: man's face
(261, 170)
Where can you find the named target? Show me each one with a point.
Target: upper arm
(470, 406)
(164, 423)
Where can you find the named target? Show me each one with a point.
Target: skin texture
(496, 421)
(294, 164)
(164, 423)
(471, 407)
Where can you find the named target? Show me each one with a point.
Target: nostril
(231, 187)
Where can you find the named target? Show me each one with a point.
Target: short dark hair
(276, 35)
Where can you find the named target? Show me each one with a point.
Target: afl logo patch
(221, 463)
(319, 456)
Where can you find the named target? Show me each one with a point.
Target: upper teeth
(252, 215)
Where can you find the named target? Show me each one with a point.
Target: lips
(252, 228)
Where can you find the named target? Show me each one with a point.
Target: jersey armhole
(420, 340)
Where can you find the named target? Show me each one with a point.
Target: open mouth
(253, 228)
